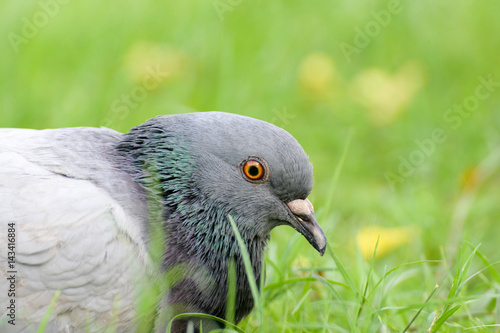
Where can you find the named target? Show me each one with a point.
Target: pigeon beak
(305, 223)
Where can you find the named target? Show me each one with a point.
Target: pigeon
(91, 218)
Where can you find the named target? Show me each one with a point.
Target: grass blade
(231, 292)
(343, 271)
(204, 316)
(363, 296)
(249, 270)
(442, 319)
(47, 314)
(421, 308)
(336, 173)
(302, 299)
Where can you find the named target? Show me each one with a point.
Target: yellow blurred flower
(146, 57)
(302, 265)
(386, 95)
(390, 239)
(470, 179)
(301, 262)
(318, 75)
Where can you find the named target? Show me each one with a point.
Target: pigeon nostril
(305, 219)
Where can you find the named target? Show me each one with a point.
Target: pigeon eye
(254, 170)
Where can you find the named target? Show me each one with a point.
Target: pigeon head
(215, 164)
(202, 168)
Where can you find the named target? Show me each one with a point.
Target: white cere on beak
(301, 207)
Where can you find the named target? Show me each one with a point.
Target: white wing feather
(71, 235)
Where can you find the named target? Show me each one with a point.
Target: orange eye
(253, 170)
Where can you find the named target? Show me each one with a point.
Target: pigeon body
(90, 204)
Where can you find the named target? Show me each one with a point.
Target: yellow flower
(385, 95)
(317, 75)
(470, 179)
(302, 265)
(145, 58)
(301, 262)
(390, 239)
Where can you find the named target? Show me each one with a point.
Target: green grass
(281, 61)
(46, 317)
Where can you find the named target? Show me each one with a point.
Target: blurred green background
(410, 90)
